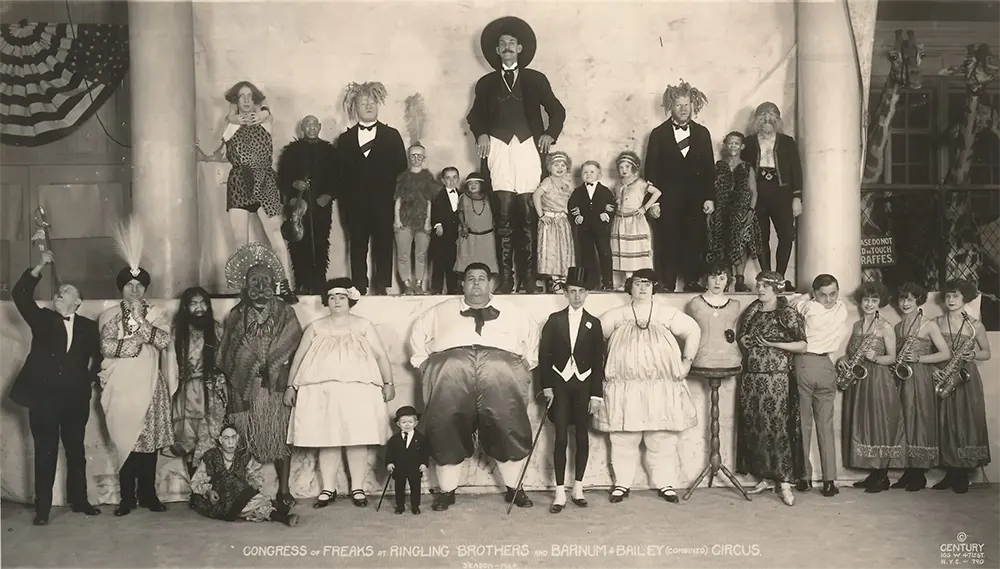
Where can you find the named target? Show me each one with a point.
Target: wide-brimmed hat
(577, 276)
(406, 411)
(509, 25)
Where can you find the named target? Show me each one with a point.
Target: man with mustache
(506, 120)
(475, 354)
(306, 178)
(775, 157)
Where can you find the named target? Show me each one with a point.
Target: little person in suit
(444, 234)
(571, 360)
(406, 458)
(591, 207)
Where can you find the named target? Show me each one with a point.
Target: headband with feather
(129, 240)
(415, 116)
(355, 91)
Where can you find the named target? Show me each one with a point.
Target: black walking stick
(384, 489)
(524, 469)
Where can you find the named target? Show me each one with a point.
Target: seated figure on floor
(228, 485)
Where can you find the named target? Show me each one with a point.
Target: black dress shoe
(580, 502)
(154, 505)
(443, 500)
(520, 499)
(961, 482)
(400, 509)
(946, 482)
(41, 519)
(86, 508)
(917, 482)
(903, 481)
(803, 486)
(415, 510)
(867, 482)
(123, 510)
(556, 508)
(879, 484)
(829, 489)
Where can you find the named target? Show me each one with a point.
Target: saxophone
(855, 371)
(947, 378)
(901, 369)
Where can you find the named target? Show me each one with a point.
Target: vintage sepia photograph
(490, 284)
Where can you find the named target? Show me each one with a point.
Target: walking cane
(524, 469)
(384, 489)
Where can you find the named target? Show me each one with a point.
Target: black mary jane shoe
(579, 502)
(556, 508)
(86, 509)
(668, 494)
(325, 498)
(359, 499)
(618, 494)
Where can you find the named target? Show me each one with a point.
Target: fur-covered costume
(311, 160)
(414, 190)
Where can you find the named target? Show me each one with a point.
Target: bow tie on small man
(363, 127)
(66, 318)
(482, 316)
(681, 126)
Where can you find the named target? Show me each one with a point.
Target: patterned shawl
(257, 344)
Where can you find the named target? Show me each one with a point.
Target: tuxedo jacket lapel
(564, 325)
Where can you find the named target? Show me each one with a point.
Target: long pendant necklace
(480, 212)
(649, 317)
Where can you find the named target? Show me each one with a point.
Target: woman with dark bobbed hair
(964, 439)
(340, 383)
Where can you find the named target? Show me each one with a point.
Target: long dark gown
(769, 435)
(874, 432)
(962, 427)
(920, 407)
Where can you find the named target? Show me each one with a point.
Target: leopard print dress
(252, 182)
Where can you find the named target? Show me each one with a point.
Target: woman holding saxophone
(964, 439)
(873, 416)
(920, 345)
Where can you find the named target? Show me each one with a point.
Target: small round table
(715, 377)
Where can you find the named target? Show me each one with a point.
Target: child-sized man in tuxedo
(591, 207)
(406, 458)
(444, 234)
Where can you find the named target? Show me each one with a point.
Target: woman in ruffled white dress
(341, 382)
(646, 396)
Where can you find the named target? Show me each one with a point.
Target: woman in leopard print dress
(252, 186)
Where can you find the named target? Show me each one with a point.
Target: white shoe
(761, 486)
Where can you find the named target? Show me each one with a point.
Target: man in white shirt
(825, 319)
(475, 354)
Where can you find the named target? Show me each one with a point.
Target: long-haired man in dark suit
(370, 156)
(506, 119)
(681, 163)
(55, 385)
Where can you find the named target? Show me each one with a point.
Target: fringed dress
(238, 484)
(875, 433)
(920, 406)
(555, 234)
(769, 433)
(339, 401)
(255, 353)
(962, 426)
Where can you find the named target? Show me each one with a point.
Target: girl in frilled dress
(631, 242)
(555, 234)
(341, 381)
(735, 233)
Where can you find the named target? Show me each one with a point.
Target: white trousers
(514, 167)
(448, 475)
(661, 457)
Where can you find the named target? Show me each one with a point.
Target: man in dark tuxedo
(506, 120)
(406, 457)
(444, 237)
(370, 156)
(591, 206)
(55, 386)
(681, 163)
(571, 360)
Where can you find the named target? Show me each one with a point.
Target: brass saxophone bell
(903, 371)
(859, 372)
(964, 374)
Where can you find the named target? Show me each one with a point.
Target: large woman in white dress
(341, 382)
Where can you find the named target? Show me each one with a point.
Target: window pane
(918, 110)
(919, 174)
(919, 148)
(898, 142)
(956, 108)
(899, 174)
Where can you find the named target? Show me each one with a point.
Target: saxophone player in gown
(873, 414)
(920, 346)
(964, 439)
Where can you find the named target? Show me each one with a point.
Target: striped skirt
(631, 245)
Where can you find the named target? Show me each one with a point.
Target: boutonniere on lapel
(587, 324)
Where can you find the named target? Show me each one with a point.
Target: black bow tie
(681, 126)
(66, 318)
(594, 185)
(482, 316)
(363, 127)
(452, 191)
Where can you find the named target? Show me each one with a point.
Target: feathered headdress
(249, 256)
(373, 89)
(129, 240)
(684, 89)
(415, 116)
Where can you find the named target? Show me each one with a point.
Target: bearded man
(306, 179)
(681, 163)
(370, 156)
(475, 354)
(775, 157)
(135, 395)
(199, 405)
(259, 338)
(506, 120)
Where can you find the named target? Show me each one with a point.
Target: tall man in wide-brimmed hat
(506, 120)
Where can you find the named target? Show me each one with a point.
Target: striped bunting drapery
(53, 77)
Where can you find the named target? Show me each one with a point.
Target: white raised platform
(393, 317)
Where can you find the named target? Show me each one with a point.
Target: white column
(829, 232)
(164, 176)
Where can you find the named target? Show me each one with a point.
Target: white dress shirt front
(69, 330)
(825, 327)
(366, 136)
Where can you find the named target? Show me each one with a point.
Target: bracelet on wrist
(389, 384)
